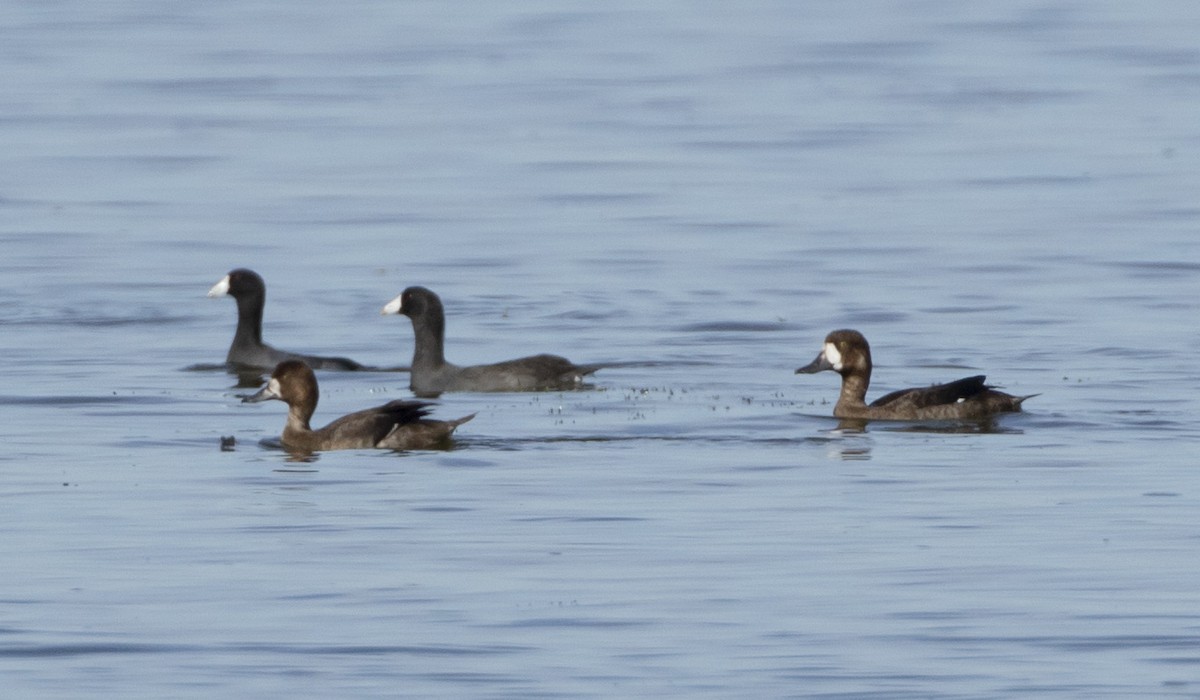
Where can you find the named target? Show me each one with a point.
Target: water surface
(696, 193)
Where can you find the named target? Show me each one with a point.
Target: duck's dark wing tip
(938, 394)
(403, 411)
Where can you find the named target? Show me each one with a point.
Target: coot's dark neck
(250, 314)
(429, 333)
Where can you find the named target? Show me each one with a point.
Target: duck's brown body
(847, 353)
(398, 425)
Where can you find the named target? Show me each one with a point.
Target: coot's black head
(240, 284)
(416, 303)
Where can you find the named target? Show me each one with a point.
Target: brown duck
(398, 425)
(847, 353)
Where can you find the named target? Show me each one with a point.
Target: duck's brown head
(292, 382)
(845, 352)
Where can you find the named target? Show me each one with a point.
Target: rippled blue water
(698, 190)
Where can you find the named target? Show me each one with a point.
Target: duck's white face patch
(221, 288)
(393, 306)
(834, 357)
(273, 388)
